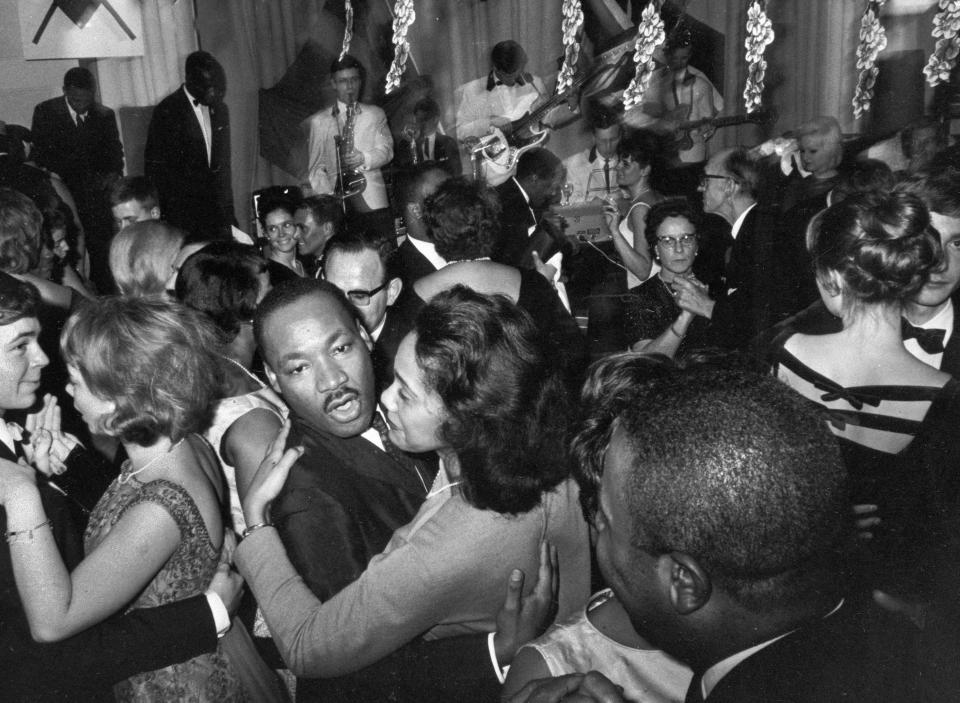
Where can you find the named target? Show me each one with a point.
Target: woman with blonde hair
(142, 256)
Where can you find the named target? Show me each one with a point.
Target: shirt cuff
(501, 672)
(221, 618)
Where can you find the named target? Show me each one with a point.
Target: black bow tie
(930, 340)
(493, 81)
(196, 103)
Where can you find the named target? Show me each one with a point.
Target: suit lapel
(950, 363)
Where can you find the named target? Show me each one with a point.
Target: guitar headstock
(765, 114)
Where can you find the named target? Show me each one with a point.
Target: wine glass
(566, 191)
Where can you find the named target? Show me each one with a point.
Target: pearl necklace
(124, 478)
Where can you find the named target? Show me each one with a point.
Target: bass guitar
(682, 138)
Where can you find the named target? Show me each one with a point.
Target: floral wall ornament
(873, 40)
(650, 35)
(946, 30)
(572, 24)
(759, 35)
(348, 27)
(403, 17)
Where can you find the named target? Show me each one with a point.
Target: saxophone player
(349, 140)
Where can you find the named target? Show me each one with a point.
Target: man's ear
(155, 212)
(414, 210)
(393, 291)
(690, 586)
(365, 336)
(271, 377)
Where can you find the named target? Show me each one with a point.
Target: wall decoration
(347, 27)
(759, 36)
(403, 17)
(946, 30)
(650, 35)
(873, 40)
(572, 24)
(77, 29)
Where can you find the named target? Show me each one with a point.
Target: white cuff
(221, 618)
(501, 672)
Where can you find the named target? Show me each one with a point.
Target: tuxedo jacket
(396, 325)
(195, 193)
(847, 656)
(85, 666)
(78, 154)
(446, 154)
(414, 265)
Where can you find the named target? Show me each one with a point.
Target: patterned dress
(208, 677)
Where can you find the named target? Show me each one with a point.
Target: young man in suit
(187, 155)
(722, 528)
(84, 666)
(418, 255)
(426, 144)
(76, 138)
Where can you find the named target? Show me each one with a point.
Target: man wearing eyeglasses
(364, 266)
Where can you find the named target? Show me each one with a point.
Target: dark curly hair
(154, 358)
(463, 219)
(881, 244)
(20, 230)
(508, 414)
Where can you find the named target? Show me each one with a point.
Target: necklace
(441, 489)
(125, 477)
(243, 368)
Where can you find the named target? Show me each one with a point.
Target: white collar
(10, 432)
(522, 191)
(738, 223)
(73, 113)
(429, 251)
(713, 675)
(375, 334)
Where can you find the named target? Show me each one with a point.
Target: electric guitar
(682, 138)
(503, 146)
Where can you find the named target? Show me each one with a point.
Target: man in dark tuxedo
(524, 198)
(187, 155)
(722, 529)
(77, 138)
(424, 144)
(418, 255)
(350, 489)
(365, 266)
(83, 667)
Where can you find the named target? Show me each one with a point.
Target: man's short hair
(863, 176)
(356, 241)
(80, 78)
(428, 106)
(324, 208)
(939, 191)
(508, 56)
(345, 62)
(21, 223)
(743, 169)
(539, 162)
(736, 470)
(463, 219)
(139, 188)
(200, 61)
(18, 299)
(408, 182)
(293, 291)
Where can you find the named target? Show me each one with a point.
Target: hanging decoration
(946, 26)
(873, 40)
(403, 17)
(572, 23)
(348, 27)
(650, 35)
(759, 35)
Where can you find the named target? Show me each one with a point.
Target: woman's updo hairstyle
(881, 244)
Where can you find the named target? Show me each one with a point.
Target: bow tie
(930, 340)
(493, 82)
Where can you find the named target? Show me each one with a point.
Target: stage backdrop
(77, 29)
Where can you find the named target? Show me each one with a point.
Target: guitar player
(677, 93)
(505, 94)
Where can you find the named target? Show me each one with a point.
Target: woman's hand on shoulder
(270, 477)
(521, 619)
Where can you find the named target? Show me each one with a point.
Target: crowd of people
(338, 461)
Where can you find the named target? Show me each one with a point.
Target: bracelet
(675, 331)
(253, 528)
(13, 536)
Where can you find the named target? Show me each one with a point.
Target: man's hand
(353, 160)
(522, 619)
(49, 446)
(592, 687)
(227, 584)
(692, 295)
(548, 271)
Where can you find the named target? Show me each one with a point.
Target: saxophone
(350, 182)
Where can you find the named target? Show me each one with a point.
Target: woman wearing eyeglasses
(670, 312)
(278, 223)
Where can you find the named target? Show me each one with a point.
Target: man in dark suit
(82, 667)
(418, 255)
(77, 138)
(423, 144)
(724, 540)
(187, 155)
(351, 488)
(365, 266)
